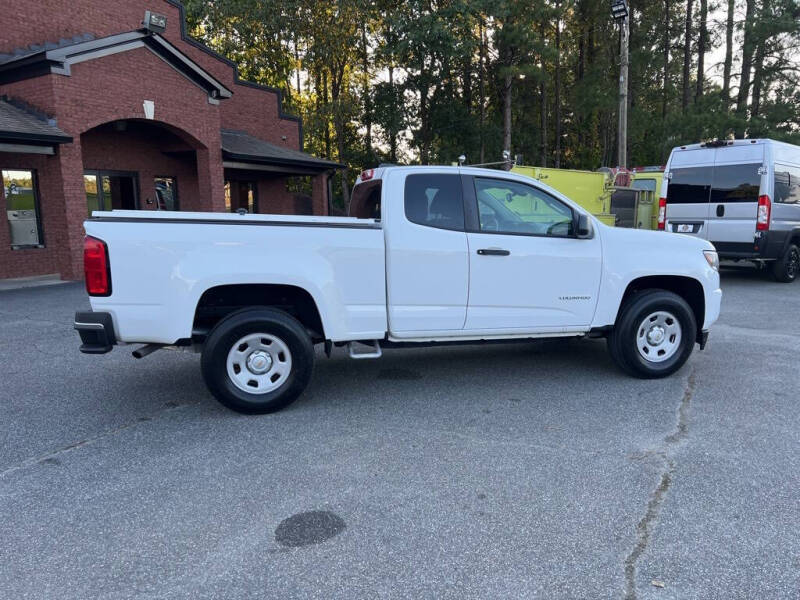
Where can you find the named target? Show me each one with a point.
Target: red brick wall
(101, 151)
(252, 110)
(113, 88)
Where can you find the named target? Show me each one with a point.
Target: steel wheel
(259, 363)
(658, 336)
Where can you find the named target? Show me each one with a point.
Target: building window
(111, 190)
(167, 193)
(22, 208)
(241, 195)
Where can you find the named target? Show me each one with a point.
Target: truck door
(528, 272)
(427, 267)
(734, 197)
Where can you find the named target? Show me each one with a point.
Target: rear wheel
(257, 361)
(654, 334)
(787, 267)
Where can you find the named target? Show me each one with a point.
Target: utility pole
(619, 10)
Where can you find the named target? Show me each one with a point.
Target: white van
(741, 195)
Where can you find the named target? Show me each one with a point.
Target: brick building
(103, 106)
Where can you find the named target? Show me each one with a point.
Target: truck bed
(162, 263)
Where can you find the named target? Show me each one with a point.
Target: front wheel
(654, 334)
(787, 267)
(257, 361)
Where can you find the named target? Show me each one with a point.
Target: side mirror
(584, 227)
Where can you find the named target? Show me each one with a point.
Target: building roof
(43, 59)
(243, 147)
(20, 125)
(20, 53)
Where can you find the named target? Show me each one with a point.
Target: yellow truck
(648, 179)
(596, 192)
(591, 189)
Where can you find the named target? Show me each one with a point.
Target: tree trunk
(665, 50)
(297, 65)
(366, 90)
(687, 55)
(392, 132)
(482, 88)
(747, 63)
(327, 105)
(508, 82)
(726, 73)
(557, 90)
(758, 73)
(701, 51)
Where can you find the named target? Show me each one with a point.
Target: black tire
(279, 326)
(625, 337)
(787, 267)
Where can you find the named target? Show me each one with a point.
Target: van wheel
(786, 268)
(654, 334)
(257, 361)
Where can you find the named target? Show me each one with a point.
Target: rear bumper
(766, 245)
(97, 332)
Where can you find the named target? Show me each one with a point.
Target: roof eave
(308, 164)
(34, 138)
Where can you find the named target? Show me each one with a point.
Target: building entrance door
(111, 190)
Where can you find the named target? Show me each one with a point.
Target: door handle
(720, 210)
(493, 252)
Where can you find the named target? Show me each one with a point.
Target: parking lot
(520, 470)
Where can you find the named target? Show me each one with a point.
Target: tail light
(764, 210)
(96, 268)
(367, 174)
(662, 213)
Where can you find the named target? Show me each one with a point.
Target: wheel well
(687, 288)
(218, 302)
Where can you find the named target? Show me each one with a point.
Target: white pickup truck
(430, 255)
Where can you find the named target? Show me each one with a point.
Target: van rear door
(734, 197)
(688, 191)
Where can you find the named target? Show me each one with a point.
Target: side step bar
(375, 353)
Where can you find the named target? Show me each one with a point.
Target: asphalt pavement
(528, 470)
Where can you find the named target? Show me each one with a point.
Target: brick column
(69, 236)
(319, 194)
(210, 180)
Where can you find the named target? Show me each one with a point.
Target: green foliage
(429, 80)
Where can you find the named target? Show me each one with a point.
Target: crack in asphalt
(49, 456)
(645, 526)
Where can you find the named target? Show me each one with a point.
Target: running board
(374, 344)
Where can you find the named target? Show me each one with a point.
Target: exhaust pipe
(146, 349)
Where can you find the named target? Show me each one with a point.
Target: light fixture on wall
(154, 22)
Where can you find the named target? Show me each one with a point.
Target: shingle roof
(242, 146)
(17, 124)
(19, 53)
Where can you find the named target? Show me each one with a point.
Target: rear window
(435, 200)
(736, 183)
(366, 200)
(787, 184)
(691, 185)
(723, 183)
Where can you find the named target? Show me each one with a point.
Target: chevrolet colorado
(429, 255)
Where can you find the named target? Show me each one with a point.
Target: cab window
(435, 200)
(511, 207)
